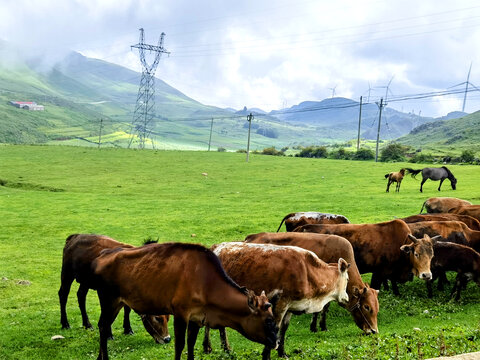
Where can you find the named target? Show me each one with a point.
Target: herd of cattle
(319, 259)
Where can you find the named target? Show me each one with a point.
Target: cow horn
(413, 238)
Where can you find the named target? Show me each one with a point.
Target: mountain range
(89, 100)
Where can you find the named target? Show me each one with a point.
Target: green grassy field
(49, 192)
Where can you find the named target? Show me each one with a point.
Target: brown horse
(395, 177)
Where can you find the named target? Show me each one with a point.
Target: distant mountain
(338, 117)
(86, 97)
(452, 134)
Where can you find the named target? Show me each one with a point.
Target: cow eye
(416, 255)
(366, 307)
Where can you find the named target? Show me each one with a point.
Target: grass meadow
(50, 192)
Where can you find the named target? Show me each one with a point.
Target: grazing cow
(78, 254)
(470, 210)
(387, 250)
(442, 204)
(306, 283)
(395, 177)
(297, 219)
(454, 257)
(185, 280)
(471, 222)
(452, 231)
(363, 300)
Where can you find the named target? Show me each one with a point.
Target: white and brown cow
(297, 219)
(305, 282)
(363, 300)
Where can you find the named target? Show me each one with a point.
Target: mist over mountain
(78, 91)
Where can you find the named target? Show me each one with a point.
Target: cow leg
(127, 328)
(398, 185)
(429, 288)
(193, 329)
(66, 284)
(313, 323)
(224, 339)
(323, 318)
(376, 281)
(439, 186)
(388, 185)
(395, 287)
(180, 328)
(207, 345)
(81, 297)
(283, 329)
(109, 311)
(442, 280)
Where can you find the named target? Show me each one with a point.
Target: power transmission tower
(249, 119)
(144, 108)
(359, 123)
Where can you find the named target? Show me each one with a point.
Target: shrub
(422, 158)
(393, 152)
(313, 152)
(340, 154)
(270, 133)
(364, 154)
(467, 156)
(221, 149)
(272, 151)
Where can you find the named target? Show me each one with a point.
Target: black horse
(434, 174)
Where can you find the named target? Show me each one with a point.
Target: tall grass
(50, 192)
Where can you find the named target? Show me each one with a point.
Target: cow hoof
(66, 326)
(207, 350)
(128, 332)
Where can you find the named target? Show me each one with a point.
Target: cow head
(420, 252)
(157, 327)
(342, 296)
(260, 326)
(364, 308)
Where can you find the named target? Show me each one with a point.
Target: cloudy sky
(273, 54)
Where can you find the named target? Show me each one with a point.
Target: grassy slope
(448, 136)
(132, 195)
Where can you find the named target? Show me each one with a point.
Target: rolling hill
(446, 136)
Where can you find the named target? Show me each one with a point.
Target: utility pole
(466, 88)
(210, 140)
(144, 108)
(359, 122)
(249, 119)
(100, 133)
(378, 131)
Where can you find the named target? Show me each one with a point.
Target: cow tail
(283, 220)
(386, 176)
(423, 206)
(412, 172)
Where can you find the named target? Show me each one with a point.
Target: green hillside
(447, 136)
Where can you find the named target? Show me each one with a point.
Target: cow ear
(406, 248)
(252, 300)
(413, 238)
(274, 296)
(343, 265)
(365, 289)
(356, 291)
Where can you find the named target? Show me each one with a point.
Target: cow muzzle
(426, 276)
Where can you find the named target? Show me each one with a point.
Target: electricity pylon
(145, 106)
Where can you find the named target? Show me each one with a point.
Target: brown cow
(185, 280)
(78, 254)
(306, 282)
(470, 210)
(297, 219)
(387, 250)
(363, 300)
(395, 177)
(454, 257)
(471, 222)
(442, 204)
(453, 231)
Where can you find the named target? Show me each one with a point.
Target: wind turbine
(467, 83)
(333, 90)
